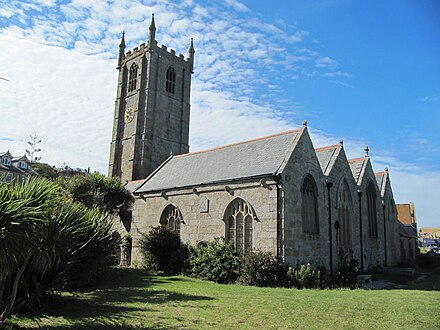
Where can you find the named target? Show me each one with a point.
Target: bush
(47, 242)
(304, 278)
(262, 269)
(214, 261)
(428, 260)
(163, 250)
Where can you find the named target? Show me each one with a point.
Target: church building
(276, 193)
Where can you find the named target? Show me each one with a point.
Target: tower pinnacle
(152, 30)
(191, 52)
(121, 50)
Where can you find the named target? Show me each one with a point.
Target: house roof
(22, 158)
(5, 153)
(248, 159)
(326, 156)
(406, 214)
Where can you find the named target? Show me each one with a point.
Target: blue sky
(364, 71)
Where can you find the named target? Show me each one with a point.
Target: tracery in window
(171, 219)
(309, 206)
(344, 216)
(372, 211)
(132, 78)
(170, 84)
(239, 218)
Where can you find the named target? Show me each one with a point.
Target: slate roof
(325, 156)
(254, 158)
(131, 186)
(356, 165)
(380, 179)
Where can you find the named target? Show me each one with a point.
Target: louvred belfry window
(170, 85)
(132, 77)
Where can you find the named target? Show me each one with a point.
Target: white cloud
(65, 92)
(237, 5)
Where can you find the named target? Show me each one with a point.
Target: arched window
(170, 85)
(132, 77)
(171, 219)
(372, 212)
(344, 217)
(239, 218)
(309, 206)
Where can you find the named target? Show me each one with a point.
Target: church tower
(152, 108)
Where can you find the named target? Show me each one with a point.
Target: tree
(47, 241)
(45, 170)
(33, 142)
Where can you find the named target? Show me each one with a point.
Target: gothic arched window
(372, 211)
(132, 77)
(171, 219)
(170, 85)
(239, 218)
(309, 206)
(344, 216)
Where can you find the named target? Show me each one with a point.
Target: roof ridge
(134, 181)
(335, 146)
(237, 143)
(356, 159)
(379, 173)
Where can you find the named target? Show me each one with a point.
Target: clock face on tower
(129, 115)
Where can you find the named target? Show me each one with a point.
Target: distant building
(406, 214)
(14, 169)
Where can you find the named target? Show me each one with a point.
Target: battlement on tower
(145, 48)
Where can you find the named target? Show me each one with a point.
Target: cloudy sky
(364, 71)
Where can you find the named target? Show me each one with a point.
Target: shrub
(304, 278)
(163, 250)
(262, 269)
(214, 261)
(47, 242)
(428, 260)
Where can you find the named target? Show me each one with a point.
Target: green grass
(130, 299)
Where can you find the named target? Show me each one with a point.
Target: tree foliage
(47, 241)
(97, 191)
(44, 170)
(163, 250)
(214, 261)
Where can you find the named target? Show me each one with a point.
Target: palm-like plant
(47, 240)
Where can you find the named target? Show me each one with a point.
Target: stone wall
(199, 225)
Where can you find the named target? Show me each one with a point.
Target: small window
(23, 165)
(170, 85)
(132, 77)
(6, 161)
(9, 177)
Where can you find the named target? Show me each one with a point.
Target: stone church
(275, 193)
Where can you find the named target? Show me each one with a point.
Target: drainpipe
(360, 230)
(279, 220)
(329, 184)
(384, 231)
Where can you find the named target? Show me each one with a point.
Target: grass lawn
(130, 299)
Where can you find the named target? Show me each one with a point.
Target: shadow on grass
(123, 292)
